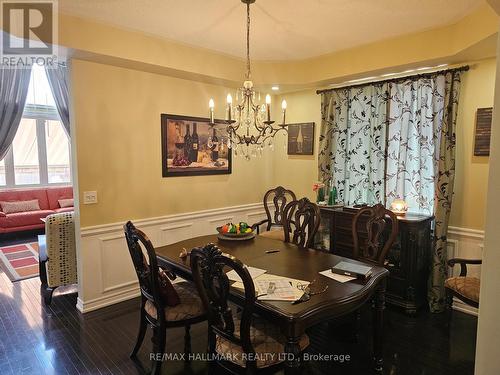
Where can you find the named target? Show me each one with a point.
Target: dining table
(290, 261)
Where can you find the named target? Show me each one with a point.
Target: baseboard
(107, 300)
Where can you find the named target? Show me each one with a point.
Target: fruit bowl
(238, 231)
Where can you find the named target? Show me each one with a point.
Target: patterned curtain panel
(353, 141)
(325, 153)
(416, 113)
(443, 183)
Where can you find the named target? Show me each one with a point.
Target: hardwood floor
(35, 339)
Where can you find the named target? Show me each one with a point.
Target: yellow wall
(117, 119)
(299, 172)
(469, 202)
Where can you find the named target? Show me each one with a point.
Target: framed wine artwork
(191, 147)
(301, 139)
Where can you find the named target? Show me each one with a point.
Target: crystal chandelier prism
(248, 125)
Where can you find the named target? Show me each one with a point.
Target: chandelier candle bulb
(268, 107)
(283, 107)
(211, 105)
(229, 105)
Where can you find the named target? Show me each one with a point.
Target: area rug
(20, 261)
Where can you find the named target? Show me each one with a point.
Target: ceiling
(281, 29)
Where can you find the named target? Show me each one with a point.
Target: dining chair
(275, 201)
(465, 288)
(163, 304)
(301, 219)
(371, 241)
(241, 341)
(371, 222)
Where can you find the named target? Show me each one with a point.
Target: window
(40, 152)
(2, 173)
(57, 152)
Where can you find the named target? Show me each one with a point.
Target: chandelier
(248, 123)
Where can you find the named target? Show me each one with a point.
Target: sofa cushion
(56, 193)
(64, 209)
(26, 195)
(20, 206)
(21, 219)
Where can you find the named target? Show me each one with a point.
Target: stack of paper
(337, 277)
(254, 273)
(262, 284)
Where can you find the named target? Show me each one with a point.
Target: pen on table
(272, 251)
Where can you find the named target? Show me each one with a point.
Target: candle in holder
(211, 105)
(283, 107)
(399, 207)
(268, 107)
(229, 105)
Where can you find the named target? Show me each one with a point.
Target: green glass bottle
(320, 195)
(332, 199)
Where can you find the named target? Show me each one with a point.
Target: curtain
(416, 115)
(445, 160)
(13, 92)
(58, 81)
(377, 146)
(353, 142)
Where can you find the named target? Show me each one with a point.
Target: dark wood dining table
(297, 263)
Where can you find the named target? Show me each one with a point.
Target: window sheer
(40, 152)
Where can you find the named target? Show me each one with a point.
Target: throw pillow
(168, 294)
(167, 291)
(66, 202)
(20, 206)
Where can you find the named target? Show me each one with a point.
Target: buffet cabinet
(408, 261)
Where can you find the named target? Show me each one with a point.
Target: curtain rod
(463, 68)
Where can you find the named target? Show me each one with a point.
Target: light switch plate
(89, 197)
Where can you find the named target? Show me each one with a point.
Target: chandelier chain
(248, 75)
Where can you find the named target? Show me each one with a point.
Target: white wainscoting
(465, 243)
(109, 276)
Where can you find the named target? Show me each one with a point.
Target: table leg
(378, 326)
(292, 352)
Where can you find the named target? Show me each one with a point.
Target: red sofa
(47, 199)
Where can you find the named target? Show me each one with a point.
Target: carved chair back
(375, 220)
(209, 266)
(275, 201)
(146, 268)
(301, 222)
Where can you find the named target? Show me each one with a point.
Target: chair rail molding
(109, 276)
(465, 243)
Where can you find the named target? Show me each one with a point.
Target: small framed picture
(190, 146)
(301, 139)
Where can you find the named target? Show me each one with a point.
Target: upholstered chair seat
(274, 234)
(190, 305)
(467, 287)
(267, 342)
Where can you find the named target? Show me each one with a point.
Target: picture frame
(186, 150)
(301, 138)
(482, 133)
